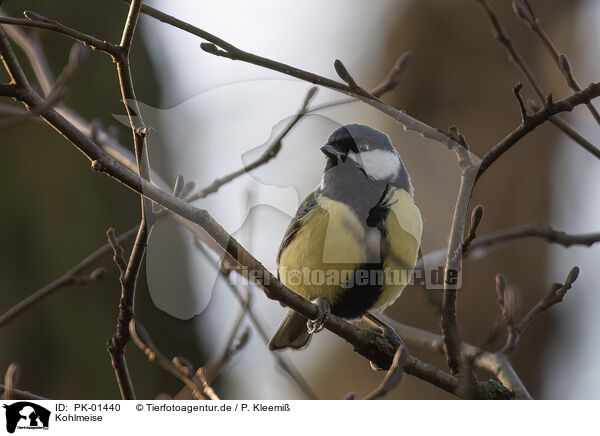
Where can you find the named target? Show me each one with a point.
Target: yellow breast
(404, 228)
(327, 248)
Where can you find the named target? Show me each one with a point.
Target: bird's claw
(387, 332)
(323, 311)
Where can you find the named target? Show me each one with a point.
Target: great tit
(354, 241)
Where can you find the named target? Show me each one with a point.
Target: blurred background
(212, 115)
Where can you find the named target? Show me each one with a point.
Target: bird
(354, 241)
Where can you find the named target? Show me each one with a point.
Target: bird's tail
(292, 333)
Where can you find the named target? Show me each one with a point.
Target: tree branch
(142, 339)
(542, 231)
(502, 37)
(270, 153)
(523, 9)
(565, 105)
(495, 363)
(11, 378)
(18, 394)
(218, 47)
(128, 277)
(40, 22)
(556, 295)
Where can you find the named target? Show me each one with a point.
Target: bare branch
(517, 91)
(569, 131)
(32, 47)
(452, 271)
(128, 278)
(542, 231)
(502, 36)
(507, 300)
(536, 119)
(12, 65)
(392, 377)
(234, 343)
(55, 26)
(130, 24)
(70, 278)
(393, 78)
(18, 394)
(11, 378)
(525, 12)
(270, 153)
(495, 363)
(284, 363)
(142, 339)
(556, 295)
(73, 276)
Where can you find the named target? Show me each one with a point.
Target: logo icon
(26, 415)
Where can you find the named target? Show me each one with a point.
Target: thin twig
(503, 37)
(11, 64)
(128, 278)
(541, 231)
(392, 377)
(492, 362)
(517, 91)
(569, 131)
(481, 245)
(11, 378)
(55, 95)
(36, 21)
(142, 340)
(70, 278)
(270, 152)
(507, 300)
(556, 295)
(535, 120)
(523, 9)
(234, 343)
(73, 276)
(18, 394)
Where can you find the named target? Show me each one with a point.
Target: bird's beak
(330, 151)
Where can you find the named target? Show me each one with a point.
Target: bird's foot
(323, 311)
(386, 331)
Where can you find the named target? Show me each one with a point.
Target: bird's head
(357, 147)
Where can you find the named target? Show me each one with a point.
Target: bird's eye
(363, 147)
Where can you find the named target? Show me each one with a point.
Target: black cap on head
(357, 138)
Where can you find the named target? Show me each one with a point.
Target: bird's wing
(307, 205)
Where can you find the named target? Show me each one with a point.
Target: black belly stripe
(355, 301)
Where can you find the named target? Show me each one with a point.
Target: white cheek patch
(378, 164)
